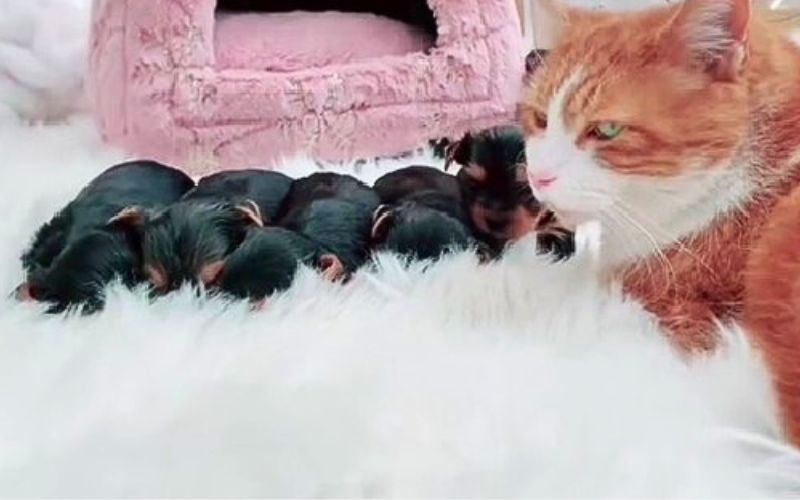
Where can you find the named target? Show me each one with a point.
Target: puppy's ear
(211, 272)
(157, 277)
(534, 60)
(332, 267)
(251, 213)
(382, 222)
(130, 218)
(459, 152)
(475, 172)
(131, 221)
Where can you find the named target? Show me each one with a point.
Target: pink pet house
(233, 83)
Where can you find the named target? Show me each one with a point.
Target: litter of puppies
(245, 233)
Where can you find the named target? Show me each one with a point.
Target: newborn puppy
(265, 189)
(341, 228)
(422, 215)
(188, 241)
(79, 251)
(319, 186)
(395, 187)
(266, 263)
(419, 232)
(331, 235)
(325, 222)
(496, 193)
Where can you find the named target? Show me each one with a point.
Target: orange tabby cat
(679, 130)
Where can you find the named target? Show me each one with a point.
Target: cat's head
(636, 119)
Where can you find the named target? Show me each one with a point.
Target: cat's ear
(533, 61)
(550, 18)
(714, 34)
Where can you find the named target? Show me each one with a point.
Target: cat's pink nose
(541, 182)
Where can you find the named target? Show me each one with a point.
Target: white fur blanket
(521, 378)
(516, 379)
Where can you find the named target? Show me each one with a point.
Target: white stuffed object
(43, 51)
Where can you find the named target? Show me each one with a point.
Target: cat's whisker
(671, 195)
(655, 247)
(620, 229)
(619, 207)
(581, 191)
(668, 239)
(621, 215)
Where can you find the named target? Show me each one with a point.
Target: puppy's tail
(772, 305)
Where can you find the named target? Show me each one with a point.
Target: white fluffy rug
(516, 379)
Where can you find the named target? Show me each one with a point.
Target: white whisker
(669, 241)
(620, 230)
(658, 253)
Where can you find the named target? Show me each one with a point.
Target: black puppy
(325, 223)
(496, 193)
(266, 263)
(188, 241)
(341, 228)
(79, 251)
(331, 235)
(419, 232)
(422, 215)
(265, 189)
(427, 185)
(320, 186)
(334, 211)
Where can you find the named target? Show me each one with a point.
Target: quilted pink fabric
(175, 81)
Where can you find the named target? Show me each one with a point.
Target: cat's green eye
(607, 131)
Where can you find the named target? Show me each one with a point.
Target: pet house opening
(291, 35)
